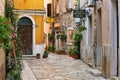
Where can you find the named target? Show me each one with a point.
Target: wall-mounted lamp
(75, 2)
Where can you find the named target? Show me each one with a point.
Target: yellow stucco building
(31, 25)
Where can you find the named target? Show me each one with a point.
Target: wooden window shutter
(49, 10)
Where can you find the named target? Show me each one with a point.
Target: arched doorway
(25, 34)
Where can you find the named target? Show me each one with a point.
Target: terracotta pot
(75, 56)
(45, 56)
(70, 55)
(37, 56)
(52, 51)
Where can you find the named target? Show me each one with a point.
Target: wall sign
(79, 13)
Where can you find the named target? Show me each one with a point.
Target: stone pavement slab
(27, 73)
(59, 67)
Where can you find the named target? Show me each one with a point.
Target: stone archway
(26, 35)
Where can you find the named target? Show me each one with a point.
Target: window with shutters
(49, 10)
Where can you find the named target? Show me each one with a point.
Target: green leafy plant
(51, 48)
(45, 54)
(78, 36)
(73, 51)
(60, 51)
(12, 47)
(11, 43)
(62, 36)
(50, 37)
(5, 31)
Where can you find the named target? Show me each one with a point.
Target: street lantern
(75, 2)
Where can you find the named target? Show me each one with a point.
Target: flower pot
(70, 55)
(45, 56)
(51, 51)
(37, 56)
(75, 56)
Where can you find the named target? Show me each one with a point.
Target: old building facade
(101, 39)
(31, 25)
(64, 16)
(100, 44)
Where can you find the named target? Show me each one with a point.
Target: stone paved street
(57, 67)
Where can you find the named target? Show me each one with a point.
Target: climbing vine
(11, 43)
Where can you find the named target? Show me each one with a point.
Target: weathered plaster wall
(2, 4)
(2, 64)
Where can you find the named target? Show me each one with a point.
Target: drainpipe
(117, 38)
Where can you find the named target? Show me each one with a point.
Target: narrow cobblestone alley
(57, 67)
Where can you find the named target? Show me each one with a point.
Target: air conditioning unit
(91, 3)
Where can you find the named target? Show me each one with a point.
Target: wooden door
(25, 34)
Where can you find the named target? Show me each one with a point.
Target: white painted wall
(39, 49)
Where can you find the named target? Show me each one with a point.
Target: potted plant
(78, 36)
(74, 53)
(51, 49)
(45, 55)
(62, 36)
(38, 56)
(61, 52)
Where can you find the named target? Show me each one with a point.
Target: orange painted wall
(40, 29)
(29, 4)
(39, 20)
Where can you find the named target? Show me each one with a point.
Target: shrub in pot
(62, 36)
(74, 53)
(60, 51)
(78, 36)
(45, 55)
(51, 48)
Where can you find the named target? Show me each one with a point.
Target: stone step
(96, 72)
(114, 78)
(28, 57)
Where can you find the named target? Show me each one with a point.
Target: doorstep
(96, 72)
(114, 78)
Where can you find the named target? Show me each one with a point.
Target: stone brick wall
(2, 4)
(66, 20)
(2, 64)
